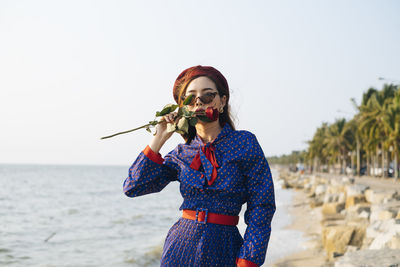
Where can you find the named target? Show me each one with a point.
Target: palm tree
(353, 141)
(373, 114)
(367, 144)
(337, 142)
(392, 127)
(317, 147)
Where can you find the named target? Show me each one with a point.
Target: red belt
(202, 215)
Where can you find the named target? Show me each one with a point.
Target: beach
(307, 221)
(348, 221)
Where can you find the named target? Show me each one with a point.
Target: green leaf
(183, 125)
(154, 123)
(193, 121)
(189, 114)
(166, 110)
(204, 118)
(171, 127)
(148, 129)
(188, 99)
(186, 112)
(180, 111)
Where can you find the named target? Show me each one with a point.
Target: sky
(74, 71)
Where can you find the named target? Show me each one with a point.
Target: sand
(306, 220)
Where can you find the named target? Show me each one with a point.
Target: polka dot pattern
(243, 177)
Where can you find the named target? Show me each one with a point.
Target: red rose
(212, 113)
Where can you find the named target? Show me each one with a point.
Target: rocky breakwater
(360, 223)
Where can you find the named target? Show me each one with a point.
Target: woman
(219, 169)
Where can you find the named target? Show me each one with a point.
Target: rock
(380, 212)
(358, 235)
(377, 227)
(348, 180)
(354, 199)
(335, 197)
(336, 238)
(332, 208)
(383, 232)
(334, 189)
(355, 190)
(395, 242)
(308, 187)
(351, 249)
(370, 258)
(320, 189)
(364, 214)
(282, 183)
(385, 215)
(382, 240)
(380, 196)
(373, 230)
(333, 219)
(316, 201)
(358, 208)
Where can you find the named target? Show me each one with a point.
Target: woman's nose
(198, 102)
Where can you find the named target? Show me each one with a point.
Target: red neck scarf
(209, 152)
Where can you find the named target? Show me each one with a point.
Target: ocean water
(78, 216)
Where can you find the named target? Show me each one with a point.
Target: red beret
(193, 72)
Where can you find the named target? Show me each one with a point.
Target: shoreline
(347, 221)
(307, 221)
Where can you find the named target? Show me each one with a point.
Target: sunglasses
(206, 98)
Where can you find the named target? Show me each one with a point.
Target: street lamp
(389, 80)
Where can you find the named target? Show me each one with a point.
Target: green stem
(153, 123)
(144, 126)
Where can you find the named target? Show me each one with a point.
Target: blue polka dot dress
(243, 176)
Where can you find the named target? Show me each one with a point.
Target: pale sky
(73, 71)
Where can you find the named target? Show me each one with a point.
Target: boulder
(333, 219)
(348, 180)
(383, 234)
(383, 240)
(359, 234)
(354, 199)
(320, 189)
(335, 197)
(360, 207)
(370, 258)
(332, 208)
(380, 196)
(377, 227)
(394, 243)
(364, 214)
(335, 239)
(356, 190)
(381, 213)
(373, 230)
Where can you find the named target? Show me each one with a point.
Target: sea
(66, 215)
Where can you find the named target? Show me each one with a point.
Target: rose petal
(212, 114)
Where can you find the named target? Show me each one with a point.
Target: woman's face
(200, 87)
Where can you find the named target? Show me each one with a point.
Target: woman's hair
(224, 117)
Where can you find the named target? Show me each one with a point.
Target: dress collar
(226, 130)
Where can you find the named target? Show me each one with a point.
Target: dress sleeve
(150, 173)
(260, 205)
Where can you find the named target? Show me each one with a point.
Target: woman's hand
(162, 135)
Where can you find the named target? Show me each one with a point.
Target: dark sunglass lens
(207, 98)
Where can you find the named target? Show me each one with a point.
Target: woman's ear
(223, 100)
